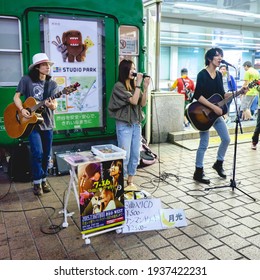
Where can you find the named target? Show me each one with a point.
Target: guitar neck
(42, 103)
(226, 100)
(66, 90)
(252, 84)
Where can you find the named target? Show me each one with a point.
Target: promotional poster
(101, 194)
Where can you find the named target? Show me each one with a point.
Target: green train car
(105, 31)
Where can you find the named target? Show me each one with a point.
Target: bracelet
(138, 86)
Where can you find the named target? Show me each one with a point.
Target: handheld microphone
(225, 62)
(144, 75)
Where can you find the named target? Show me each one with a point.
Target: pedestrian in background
(229, 84)
(186, 87)
(251, 74)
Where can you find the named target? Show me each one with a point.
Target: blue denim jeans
(129, 139)
(40, 145)
(221, 128)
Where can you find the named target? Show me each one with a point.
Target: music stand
(233, 184)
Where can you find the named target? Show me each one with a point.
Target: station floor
(222, 224)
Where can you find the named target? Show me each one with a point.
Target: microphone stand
(233, 183)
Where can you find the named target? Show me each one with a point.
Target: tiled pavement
(222, 223)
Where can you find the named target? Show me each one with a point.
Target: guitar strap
(45, 91)
(45, 95)
(183, 83)
(186, 91)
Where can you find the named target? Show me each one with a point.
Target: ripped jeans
(129, 139)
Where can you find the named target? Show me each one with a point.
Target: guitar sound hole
(17, 117)
(205, 113)
(209, 115)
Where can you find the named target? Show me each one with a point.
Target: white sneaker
(253, 147)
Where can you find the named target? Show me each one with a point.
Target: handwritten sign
(147, 214)
(142, 215)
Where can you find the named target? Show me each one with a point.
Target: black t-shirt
(206, 86)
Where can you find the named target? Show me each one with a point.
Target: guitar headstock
(255, 83)
(71, 88)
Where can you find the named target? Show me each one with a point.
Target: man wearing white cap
(38, 84)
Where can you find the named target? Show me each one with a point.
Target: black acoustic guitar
(202, 118)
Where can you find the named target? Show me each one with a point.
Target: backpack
(19, 165)
(147, 157)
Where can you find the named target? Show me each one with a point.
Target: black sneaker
(45, 187)
(253, 147)
(37, 190)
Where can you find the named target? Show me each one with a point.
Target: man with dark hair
(209, 82)
(37, 84)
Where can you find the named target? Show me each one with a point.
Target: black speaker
(19, 165)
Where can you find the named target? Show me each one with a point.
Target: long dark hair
(34, 74)
(124, 70)
(117, 163)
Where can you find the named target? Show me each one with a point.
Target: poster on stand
(101, 195)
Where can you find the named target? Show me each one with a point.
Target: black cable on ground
(8, 191)
(54, 228)
(51, 229)
(155, 182)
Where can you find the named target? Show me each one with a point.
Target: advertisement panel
(75, 47)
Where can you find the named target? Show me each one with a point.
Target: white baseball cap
(40, 58)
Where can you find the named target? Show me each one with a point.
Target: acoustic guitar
(17, 126)
(202, 118)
